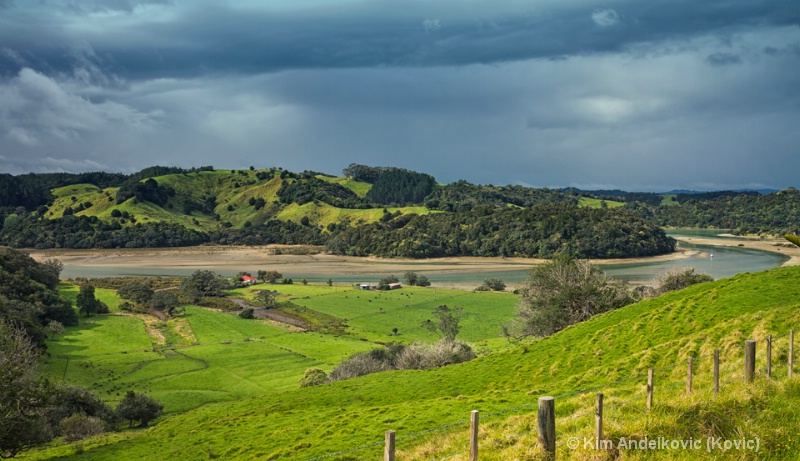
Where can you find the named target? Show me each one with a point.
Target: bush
(492, 285)
(425, 356)
(138, 407)
(313, 377)
(247, 313)
(678, 279)
(79, 426)
(358, 365)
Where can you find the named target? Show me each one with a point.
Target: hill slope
(660, 333)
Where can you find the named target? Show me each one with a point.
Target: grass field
(610, 352)
(591, 202)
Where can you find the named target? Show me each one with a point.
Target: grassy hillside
(231, 192)
(617, 346)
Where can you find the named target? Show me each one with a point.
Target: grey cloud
(266, 41)
(723, 59)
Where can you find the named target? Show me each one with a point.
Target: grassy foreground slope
(660, 333)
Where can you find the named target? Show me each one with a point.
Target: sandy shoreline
(232, 259)
(311, 264)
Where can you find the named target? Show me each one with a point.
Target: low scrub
(398, 357)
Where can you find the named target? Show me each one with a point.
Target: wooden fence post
(598, 422)
(547, 425)
(473, 435)
(716, 371)
(650, 384)
(689, 376)
(388, 448)
(749, 360)
(769, 356)
(791, 352)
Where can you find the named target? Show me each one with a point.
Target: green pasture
(620, 345)
(591, 202)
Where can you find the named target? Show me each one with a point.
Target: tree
(53, 328)
(24, 396)
(267, 298)
(423, 281)
(270, 276)
(678, 279)
(138, 407)
(492, 285)
(204, 283)
(384, 283)
(563, 292)
(446, 321)
(410, 278)
(137, 292)
(792, 238)
(247, 313)
(166, 301)
(88, 305)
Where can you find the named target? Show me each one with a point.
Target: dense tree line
(30, 231)
(308, 188)
(776, 213)
(540, 231)
(401, 187)
(148, 190)
(463, 196)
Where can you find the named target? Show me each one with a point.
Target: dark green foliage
(313, 377)
(165, 300)
(363, 173)
(137, 292)
(148, 190)
(537, 232)
(246, 313)
(745, 213)
(271, 276)
(138, 407)
(463, 196)
(678, 279)
(24, 397)
(792, 238)
(383, 284)
(88, 304)
(309, 188)
(492, 285)
(80, 426)
(28, 296)
(204, 283)
(71, 400)
(563, 292)
(401, 187)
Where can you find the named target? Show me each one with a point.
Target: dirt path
(262, 313)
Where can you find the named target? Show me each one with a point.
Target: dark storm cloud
(639, 95)
(223, 39)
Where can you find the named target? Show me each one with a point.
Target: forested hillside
(370, 210)
(537, 232)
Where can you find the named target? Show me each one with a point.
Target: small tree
(446, 321)
(270, 276)
(384, 283)
(563, 292)
(166, 301)
(410, 278)
(423, 281)
(247, 313)
(54, 327)
(137, 292)
(492, 285)
(330, 282)
(204, 283)
(88, 305)
(268, 298)
(138, 407)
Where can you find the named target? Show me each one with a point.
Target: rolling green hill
(610, 352)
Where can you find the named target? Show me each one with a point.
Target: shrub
(492, 285)
(138, 407)
(678, 279)
(247, 313)
(358, 365)
(79, 426)
(313, 377)
(425, 356)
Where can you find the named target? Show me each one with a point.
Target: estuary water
(717, 261)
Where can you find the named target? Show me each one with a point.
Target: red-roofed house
(248, 280)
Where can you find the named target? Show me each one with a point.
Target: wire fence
(624, 403)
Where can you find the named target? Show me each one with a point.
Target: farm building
(248, 280)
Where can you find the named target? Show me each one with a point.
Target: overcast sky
(632, 94)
